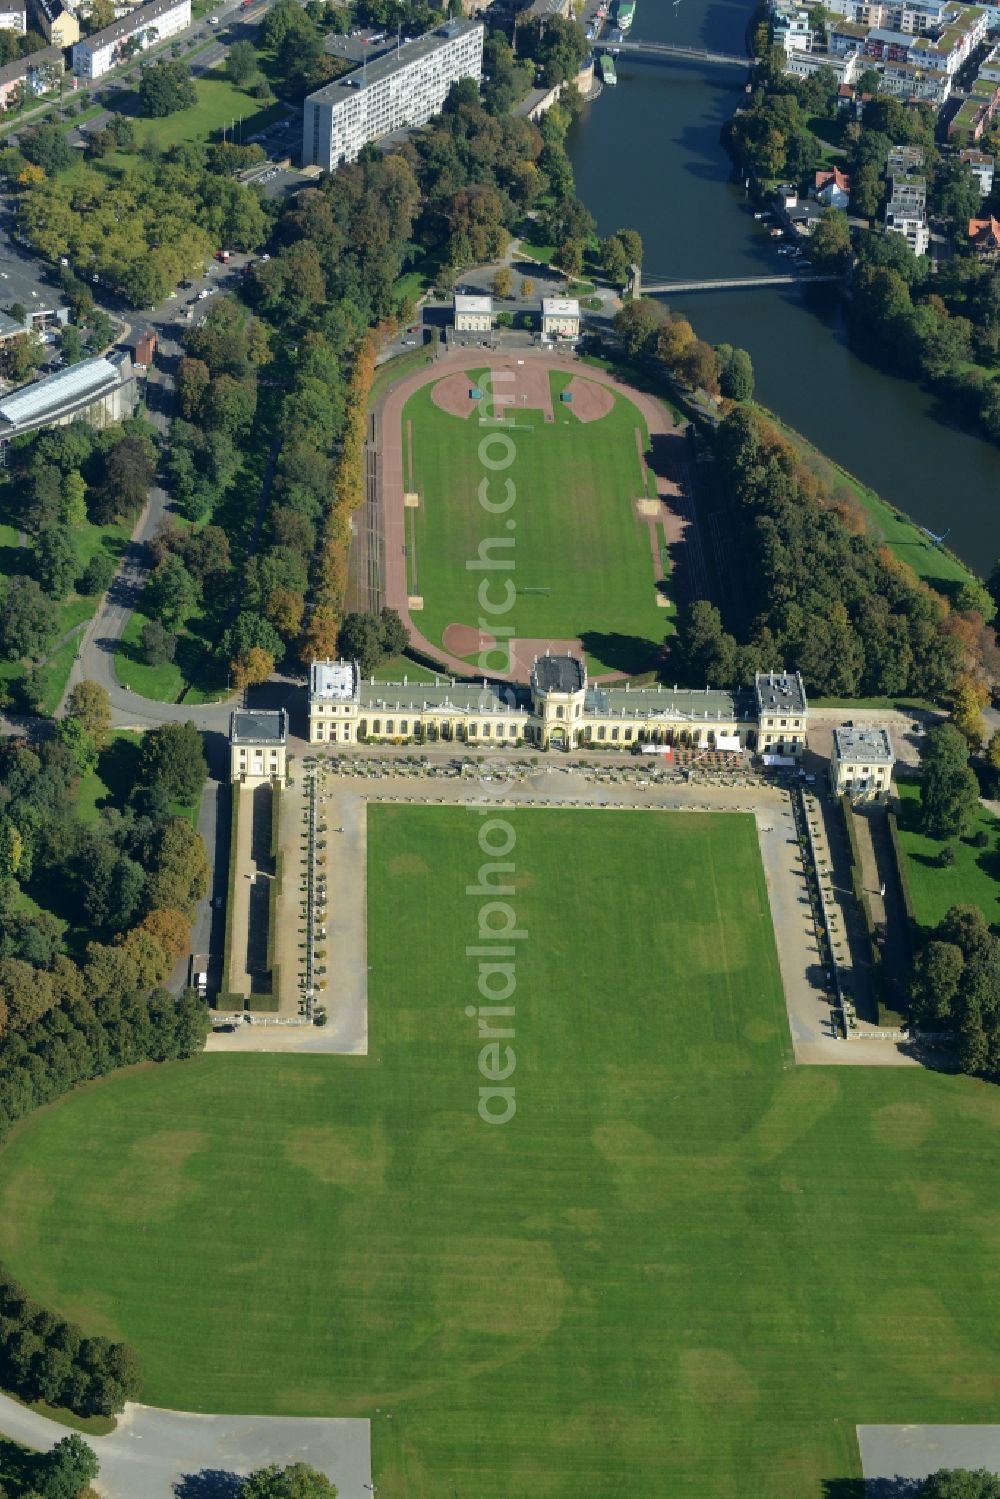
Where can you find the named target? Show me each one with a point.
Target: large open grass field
(582, 563)
(683, 1268)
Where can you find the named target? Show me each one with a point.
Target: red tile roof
(835, 177)
(985, 233)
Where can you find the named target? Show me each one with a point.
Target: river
(647, 154)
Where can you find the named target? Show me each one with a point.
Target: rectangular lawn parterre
(684, 1267)
(582, 564)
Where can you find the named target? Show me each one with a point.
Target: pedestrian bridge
(734, 283)
(671, 52)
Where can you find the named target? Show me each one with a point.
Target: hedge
(227, 952)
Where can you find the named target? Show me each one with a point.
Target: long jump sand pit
(588, 401)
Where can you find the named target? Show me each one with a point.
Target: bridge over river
(669, 51)
(732, 283)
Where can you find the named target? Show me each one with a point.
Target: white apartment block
(404, 88)
(560, 317)
(12, 13)
(805, 64)
(98, 54)
(911, 223)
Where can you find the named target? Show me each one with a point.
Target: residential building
(57, 24)
(12, 16)
(903, 161)
(560, 317)
(142, 347)
(792, 32)
(845, 37)
(984, 236)
(34, 74)
(832, 188)
(907, 81)
(981, 165)
(141, 28)
(473, 314)
(805, 64)
(799, 215)
(975, 114)
(911, 223)
(258, 746)
(99, 391)
(406, 87)
(557, 709)
(861, 763)
(908, 192)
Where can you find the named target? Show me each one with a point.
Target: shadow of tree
(619, 652)
(210, 1483)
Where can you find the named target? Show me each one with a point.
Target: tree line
(815, 591)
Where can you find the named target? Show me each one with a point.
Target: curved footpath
(163, 1454)
(391, 486)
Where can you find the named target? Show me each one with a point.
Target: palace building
(557, 709)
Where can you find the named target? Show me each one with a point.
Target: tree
(91, 704)
(949, 792)
(284, 607)
(46, 146)
(619, 253)
(394, 637)
(28, 621)
(702, 653)
(55, 562)
(172, 757)
(967, 716)
(503, 282)
(735, 373)
(96, 576)
(171, 593)
(241, 64)
(570, 257)
(993, 750)
(830, 243)
(934, 981)
(638, 325)
(69, 1467)
(74, 499)
(252, 667)
(360, 640)
(158, 644)
(527, 287)
(961, 1483)
(165, 88)
(299, 1481)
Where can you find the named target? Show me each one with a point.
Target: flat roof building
(560, 317)
(99, 391)
(862, 761)
(149, 24)
(473, 314)
(406, 87)
(258, 745)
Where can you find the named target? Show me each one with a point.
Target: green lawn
(971, 881)
(398, 667)
(581, 561)
(220, 103)
(167, 682)
(685, 1267)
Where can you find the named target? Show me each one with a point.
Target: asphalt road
(161, 1454)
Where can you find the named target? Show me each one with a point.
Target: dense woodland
(818, 593)
(942, 328)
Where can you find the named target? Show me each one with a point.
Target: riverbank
(886, 434)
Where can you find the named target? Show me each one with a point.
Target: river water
(647, 154)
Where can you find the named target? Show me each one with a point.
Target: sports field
(683, 1268)
(582, 561)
